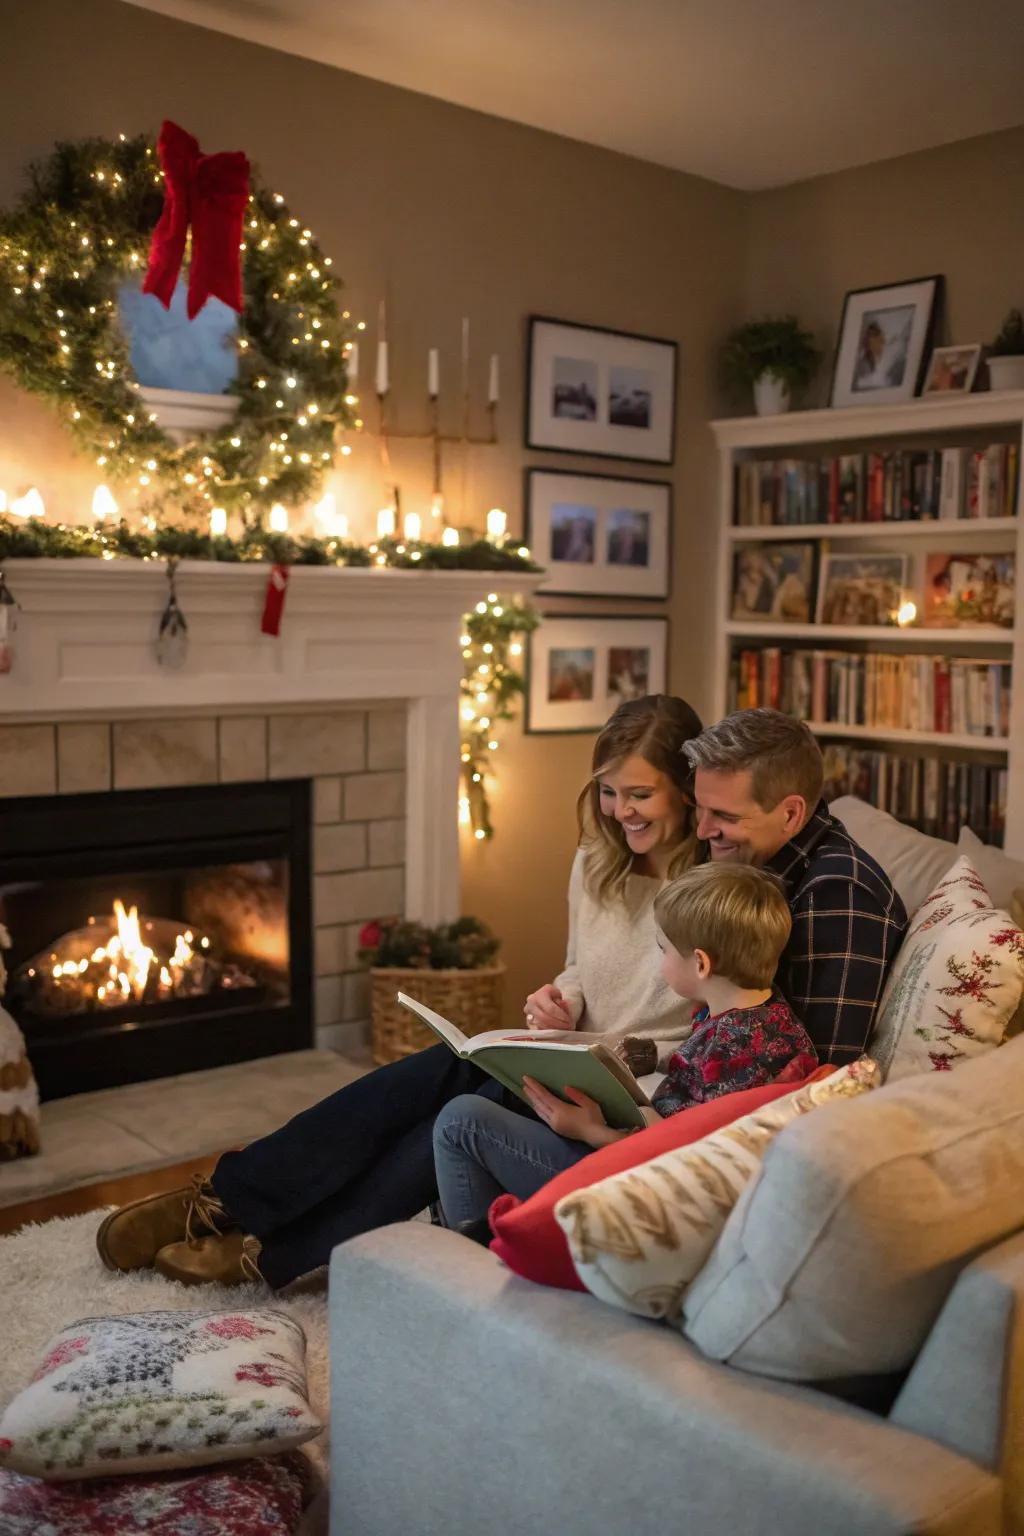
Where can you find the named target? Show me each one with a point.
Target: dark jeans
(359, 1159)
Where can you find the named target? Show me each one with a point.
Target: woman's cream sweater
(612, 980)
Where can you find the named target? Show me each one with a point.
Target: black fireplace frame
(112, 833)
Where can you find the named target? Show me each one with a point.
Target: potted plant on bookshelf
(1006, 354)
(451, 968)
(774, 357)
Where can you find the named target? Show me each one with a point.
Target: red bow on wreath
(208, 192)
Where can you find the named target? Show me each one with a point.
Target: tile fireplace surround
(359, 693)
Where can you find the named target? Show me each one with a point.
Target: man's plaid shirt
(848, 923)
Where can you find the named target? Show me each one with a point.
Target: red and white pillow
(955, 984)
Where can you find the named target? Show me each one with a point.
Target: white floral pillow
(638, 1238)
(159, 1390)
(955, 984)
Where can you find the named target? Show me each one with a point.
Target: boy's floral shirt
(741, 1048)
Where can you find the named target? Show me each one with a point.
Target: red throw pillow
(529, 1240)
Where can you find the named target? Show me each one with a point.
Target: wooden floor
(92, 1197)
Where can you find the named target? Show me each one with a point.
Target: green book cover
(552, 1058)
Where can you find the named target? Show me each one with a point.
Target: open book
(557, 1058)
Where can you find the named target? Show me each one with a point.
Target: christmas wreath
(82, 229)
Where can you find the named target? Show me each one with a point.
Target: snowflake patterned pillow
(159, 1390)
(955, 984)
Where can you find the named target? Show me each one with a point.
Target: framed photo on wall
(601, 392)
(884, 339)
(599, 535)
(582, 666)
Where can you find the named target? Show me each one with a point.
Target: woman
(364, 1156)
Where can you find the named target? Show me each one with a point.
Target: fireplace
(157, 931)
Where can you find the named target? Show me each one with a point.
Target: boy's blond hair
(737, 914)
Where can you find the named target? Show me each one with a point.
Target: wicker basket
(470, 999)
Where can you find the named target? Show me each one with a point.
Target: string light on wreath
(492, 682)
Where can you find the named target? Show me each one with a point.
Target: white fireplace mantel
(85, 648)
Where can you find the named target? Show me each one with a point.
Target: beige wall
(450, 213)
(958, 210)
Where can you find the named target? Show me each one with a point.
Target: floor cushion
(526, 1235)
(839, 1259)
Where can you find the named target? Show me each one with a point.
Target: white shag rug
(51, 1275)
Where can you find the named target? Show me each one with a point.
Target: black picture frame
(845, 392)
(535, 525)
(604, 705)
(595, 437)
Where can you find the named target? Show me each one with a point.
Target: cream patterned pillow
(637, 1239)
(159, 1390)
(955, 984)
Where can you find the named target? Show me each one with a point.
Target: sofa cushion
(160, 1390)
(526, 1235)
(1002, 876)
(955, 983)
(913, 861)
(638, 1238)
(839, 1259)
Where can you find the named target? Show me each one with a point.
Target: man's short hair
(780, 751)
(736, 913)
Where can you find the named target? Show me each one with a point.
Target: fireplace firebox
(157, 931)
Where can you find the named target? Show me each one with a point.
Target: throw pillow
(912, 860)
(249, 1498)
(1000, 874)
(839, 1259)
(638, 1238)
(955, 984)
(160, 1390)
(526, 1235)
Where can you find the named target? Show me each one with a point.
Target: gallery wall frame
(599, 535)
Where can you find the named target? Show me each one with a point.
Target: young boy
(721, 931)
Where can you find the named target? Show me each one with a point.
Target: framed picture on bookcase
(969, 588)
(581, 667)
(774, 582)
(862, 589)
(599, 535)
(884, 338)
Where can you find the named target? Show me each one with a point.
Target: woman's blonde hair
(737, 914)
(656, 729)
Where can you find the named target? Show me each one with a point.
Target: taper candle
(492, 383)
(433, 374)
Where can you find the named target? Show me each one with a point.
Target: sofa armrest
(467, 1400)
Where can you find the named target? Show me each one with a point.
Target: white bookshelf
(916, 424)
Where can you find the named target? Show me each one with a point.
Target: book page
(442, 1027)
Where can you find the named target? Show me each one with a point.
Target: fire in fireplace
(157, 931)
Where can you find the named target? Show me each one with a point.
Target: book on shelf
(881, 486)
(959, 696)
(934, 795)
(556, 1058)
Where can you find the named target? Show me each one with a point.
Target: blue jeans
(482, 1150)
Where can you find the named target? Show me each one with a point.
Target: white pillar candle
(279, 518)
(385, 522)
(413, 526)
(29, 505)
(497, 523)
(382, 368)
(433, 373)
(103, 503)
(492, 383)
(450, 537)
(218, 522)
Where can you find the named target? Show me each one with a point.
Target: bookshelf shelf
(930, 424)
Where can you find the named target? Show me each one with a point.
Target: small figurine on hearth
(19, 1096)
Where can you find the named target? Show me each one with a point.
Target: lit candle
(218, 522)
(385, 522)
(492, 384)
(412, 526)
(437, 505)
(497, 523)
(433, 373)
(279, 518)
(29, 505)
(353, 362)
(324, 511)
(103, 503)
(450, 537)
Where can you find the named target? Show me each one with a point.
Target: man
(758, 782)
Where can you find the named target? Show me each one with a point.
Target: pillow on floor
(637, 1239)
(526, 1235)
(839, 1259)
(159, 1390)
(955, 984)
(249, 1498)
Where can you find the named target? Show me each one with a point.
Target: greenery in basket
(769, 346)
(1010, 341)
(465, 945)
